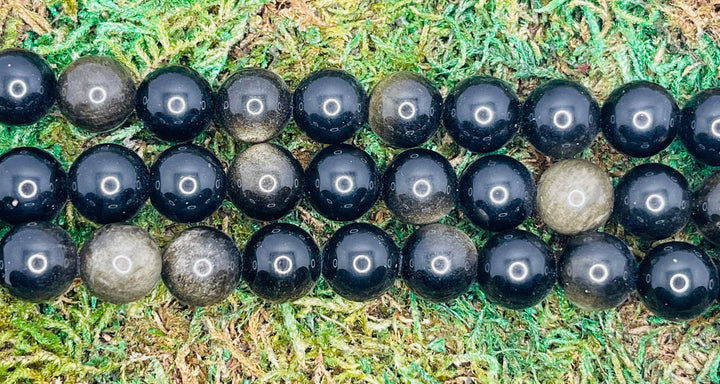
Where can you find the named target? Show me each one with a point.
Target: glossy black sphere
(438, 262)
(342, 182)
(516, 269)
(560, 118)
(481, 113)
(640, 119)
(33, 186)
(27, 87)
(677, 281)
(596, 271)
(266, 181)
(254, 105)
(700, 126)
(38, 261)
(652, 201)
(175, 103)
(330, 106)
(108, 183)
(187, 183)
(420, 186)
(360, 261)
(706, 208)
(497, 193)
(281, 262)
(405, 109)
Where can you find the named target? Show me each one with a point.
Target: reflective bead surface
(27, 87)
(706, 208)
(700, 126)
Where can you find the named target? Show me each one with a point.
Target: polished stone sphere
(438, 262)
(38, 261)
(481, 113)
(33, 187)
(705, 208)
(652, 201)
(281, 262)
(596, 271)
(516, 269)
(342, 182)
(109, 183)
(419, 186)
(360, 262)
(677, 281)
(27, 87)
(560, 118)
(497, 193)
(253, 105)
(700, 126)
(640, 119)
(96, 93)
(330, 106)
(574, 196)
(265, 182)
(175, 103)
(405, 109)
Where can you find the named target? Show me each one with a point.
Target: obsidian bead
(33, 186)
(27, 87)
(96, 93)
(108, 183)
(266, 181)
(516, 269)
(187, 183)
(481, 113)
(596, 271)
(706, 208)
(38, 261)
(639, 119)
(652, 201)
(497, 193)
(175, 103)
(254, 105)
(420, 186)
(405, 109)
(700, 126)
(342, 182)
(677, 281)
(438, 262)
(360, 262)
(281, 262)
(560, 118)
(330, 106)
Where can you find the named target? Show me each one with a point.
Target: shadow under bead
(28, 88)
(700, 126)
(706, 208)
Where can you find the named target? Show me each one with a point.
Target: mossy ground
(397, 338)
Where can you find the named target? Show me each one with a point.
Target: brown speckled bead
(574, 196)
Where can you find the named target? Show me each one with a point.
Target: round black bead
(652, 201)
(175, 103)
(560, 118)
(597, 271)
(254, 105)
(516, 269)
(481, 113)
(420, 186)
(330, 106)
(700, 126)
(405, 109)
(38, 261)
(497, 193)
(706, 208)
(677, 281)
(266, 181)
(108, 183)
(27, 87)
(96, 93)
(281, 262)
(439, 262)
(342, 182)
(187, 183)
(360, 262)
(33, 187)
(639, 119)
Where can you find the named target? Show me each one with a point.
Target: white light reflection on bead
(599, 273)
(518, 271)
(421, 188)
(642, 120)
(344, 184)
(331, 107)
(484, 115)
(267, 183)
(362, 264)
(122, 264)
(282, 265)
(407, 110)
(576, 198)
(176, 105)
(563, 119)
(97, 95)
(110, 185)
(499, 195)
(27, 189)
(37, 263)
(679, 283)
(255, 106)
(655, 203)
(17, 88)
(440, 265)
(187, 185)
(202, 267)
